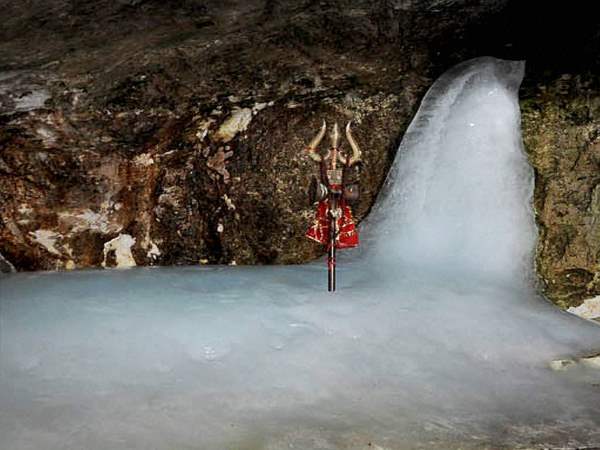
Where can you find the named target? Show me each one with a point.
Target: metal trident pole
(332, 243)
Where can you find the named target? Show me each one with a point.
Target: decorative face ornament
(334, 225)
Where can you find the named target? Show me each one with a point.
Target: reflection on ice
(435, 339)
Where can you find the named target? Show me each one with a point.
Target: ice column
(458, 196)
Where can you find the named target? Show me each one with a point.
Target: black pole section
(331, 252)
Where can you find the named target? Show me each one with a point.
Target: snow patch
(229, 202)
(47, 239)
(22, 91)
(32, 101)
(25, 213)
(144, 160)
(259, 107)
(589, 309)
(204, 127)
(591, 362)
(121, 245)
(154, 251)
(87, 219)
(48, 136)
(237, 122)
(25, 209)
(561, 364)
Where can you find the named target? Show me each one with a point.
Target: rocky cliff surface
(143, 132)
(561, 132)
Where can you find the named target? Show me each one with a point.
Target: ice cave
(436, 337)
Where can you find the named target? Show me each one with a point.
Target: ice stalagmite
(458, 197)
(436, 338)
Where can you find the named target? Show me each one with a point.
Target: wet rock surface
(561, 131)
(138, 132)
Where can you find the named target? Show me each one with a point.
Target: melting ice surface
(436, 338)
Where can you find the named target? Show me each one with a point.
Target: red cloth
(347, 236)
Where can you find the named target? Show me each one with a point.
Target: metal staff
(334, 192)
(331, 256)
(333, 215)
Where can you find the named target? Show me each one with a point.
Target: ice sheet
(435, 338)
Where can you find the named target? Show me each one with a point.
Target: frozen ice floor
(436, 338)
(252, 358)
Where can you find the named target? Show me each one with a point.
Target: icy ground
(435, 339)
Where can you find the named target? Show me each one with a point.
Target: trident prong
(335, 136)
(356, 153)
(335, 139)
(312, 147)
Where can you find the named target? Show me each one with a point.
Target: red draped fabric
(347, 236)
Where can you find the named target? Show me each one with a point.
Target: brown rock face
(222, 181)
(140, 132)
(561, 130)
